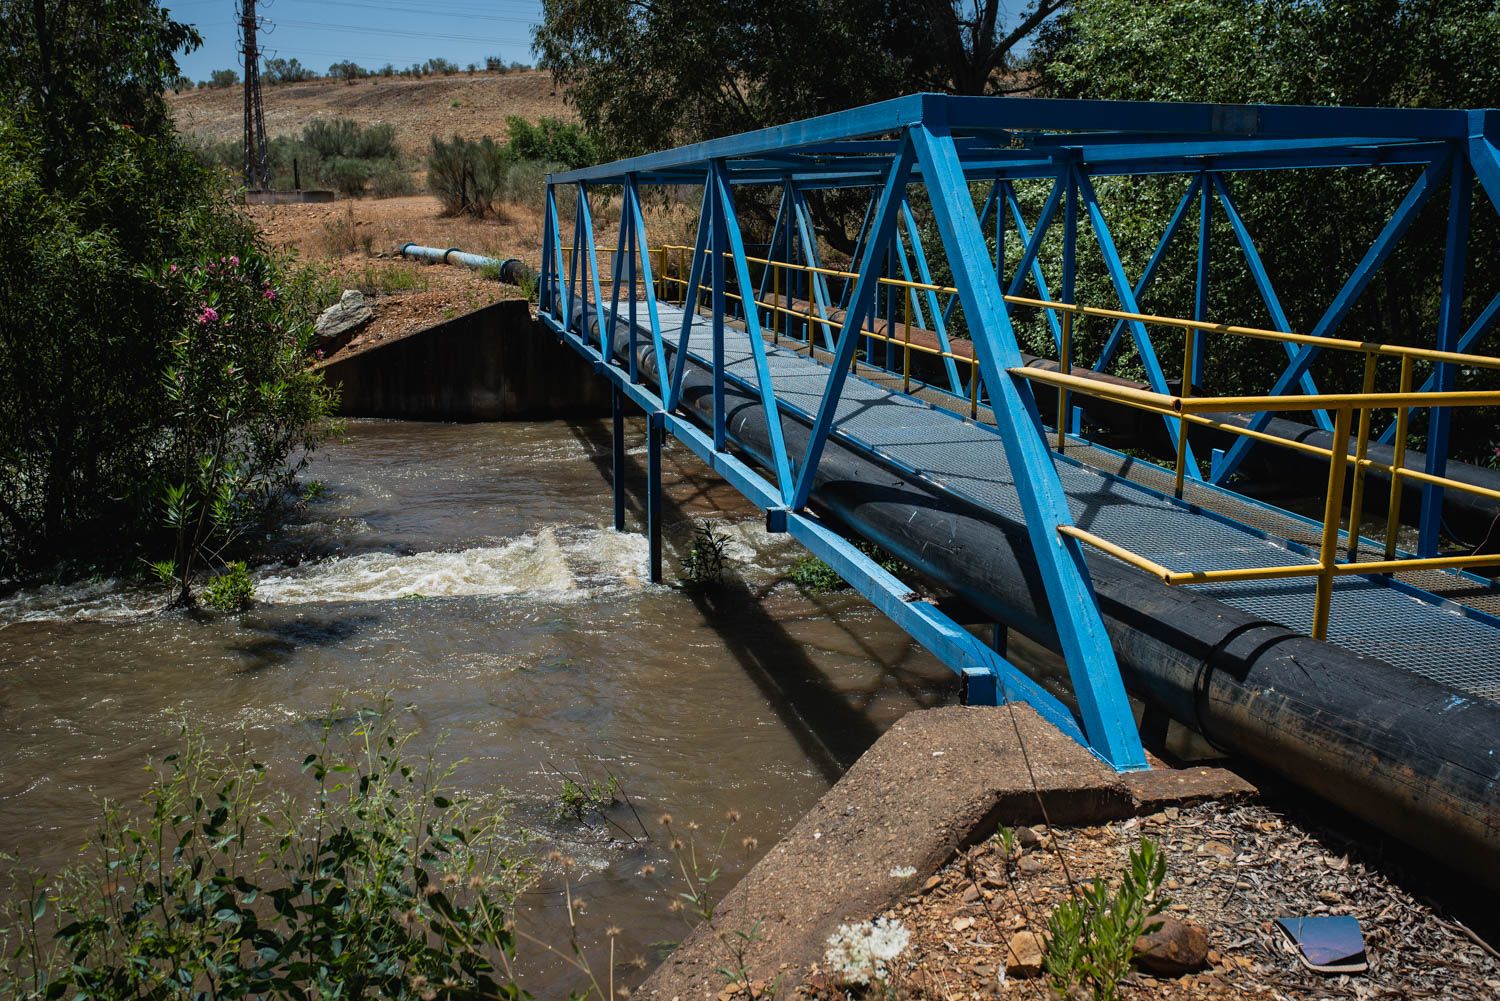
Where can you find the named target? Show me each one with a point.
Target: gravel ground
(1231, 868)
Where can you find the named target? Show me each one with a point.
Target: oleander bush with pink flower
(151, 348)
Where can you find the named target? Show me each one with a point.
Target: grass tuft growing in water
(704, 564)
(232, 590)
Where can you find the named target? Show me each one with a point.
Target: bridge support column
(617, 412)
(654, 433)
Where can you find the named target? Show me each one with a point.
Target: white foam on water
(99, 600)
(551, 563)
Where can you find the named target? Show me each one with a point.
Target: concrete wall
(496, 363)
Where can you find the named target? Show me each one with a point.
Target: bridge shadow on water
(833, 721)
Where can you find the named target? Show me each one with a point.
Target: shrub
(239, 402)
(1092, 934)
(223, 78)
(95, 427)
(373, 883)
(467, 176)
(348, 71)
(231, 590)
(286, 71)
(331, 138)
(704, 564)
(552, 140)
(812, 574)
(389, 179)
(346, 175)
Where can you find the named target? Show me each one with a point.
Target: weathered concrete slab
(935, 781)
(495, 363)
(1163, 786)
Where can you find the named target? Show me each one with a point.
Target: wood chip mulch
(1231, 868)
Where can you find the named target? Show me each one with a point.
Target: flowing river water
(467, 574)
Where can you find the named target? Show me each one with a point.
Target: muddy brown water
(469, 572)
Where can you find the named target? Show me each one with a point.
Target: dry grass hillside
(470, 106)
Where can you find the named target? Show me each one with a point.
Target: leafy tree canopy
(649, 75)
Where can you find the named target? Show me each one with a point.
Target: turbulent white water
(549, 564)
(552, 562)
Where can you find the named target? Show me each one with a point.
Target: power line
(398, 32)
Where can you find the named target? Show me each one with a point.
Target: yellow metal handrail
(1192, 410)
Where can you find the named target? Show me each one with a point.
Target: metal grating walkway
(1369, 615)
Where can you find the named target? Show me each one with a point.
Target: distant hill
(471, 106)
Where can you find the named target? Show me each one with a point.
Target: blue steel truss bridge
(888, 398)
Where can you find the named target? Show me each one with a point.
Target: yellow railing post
(776, 304)
(1398, 463)
(1189, 348)
(1333, 507)
(809, 330)
(906, 341)
(1362, 445)
(1065, 364)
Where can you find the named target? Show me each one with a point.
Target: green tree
(1310, 227)
(97, 196)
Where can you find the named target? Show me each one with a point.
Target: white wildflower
(903, 872)
(857, 954)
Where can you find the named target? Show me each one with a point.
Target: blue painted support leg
(1107, 719)
(617, 440)
(1450, 323)
(654, 434)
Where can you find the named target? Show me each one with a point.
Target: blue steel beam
(818, 283)
(923, 621)
(638, 224)
(1142, 338)
(1107, 719)
(1379, 250)
(1450, 321)
(690, 299)
(854, 319)
(1200, 277)
(1477, 329)
(727, 226)
(924, 275)
(1267, 291)
(1037, 274)
(997, 115)
(1112, 343)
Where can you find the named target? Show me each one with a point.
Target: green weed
(232, 590)
(1091, 935)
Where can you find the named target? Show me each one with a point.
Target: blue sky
(371, 32)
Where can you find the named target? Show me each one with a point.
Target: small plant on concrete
(860, 953)
(1092, 934)
(704, 564)
(232, 590)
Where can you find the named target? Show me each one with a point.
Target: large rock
(348, 314)
(1177, 947)
(1024, 954)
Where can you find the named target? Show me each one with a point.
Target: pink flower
(208, 315)
(172, 270)
(234, 262)
(319, 354)
(269, 295)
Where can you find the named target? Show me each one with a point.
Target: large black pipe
(1400, 751)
